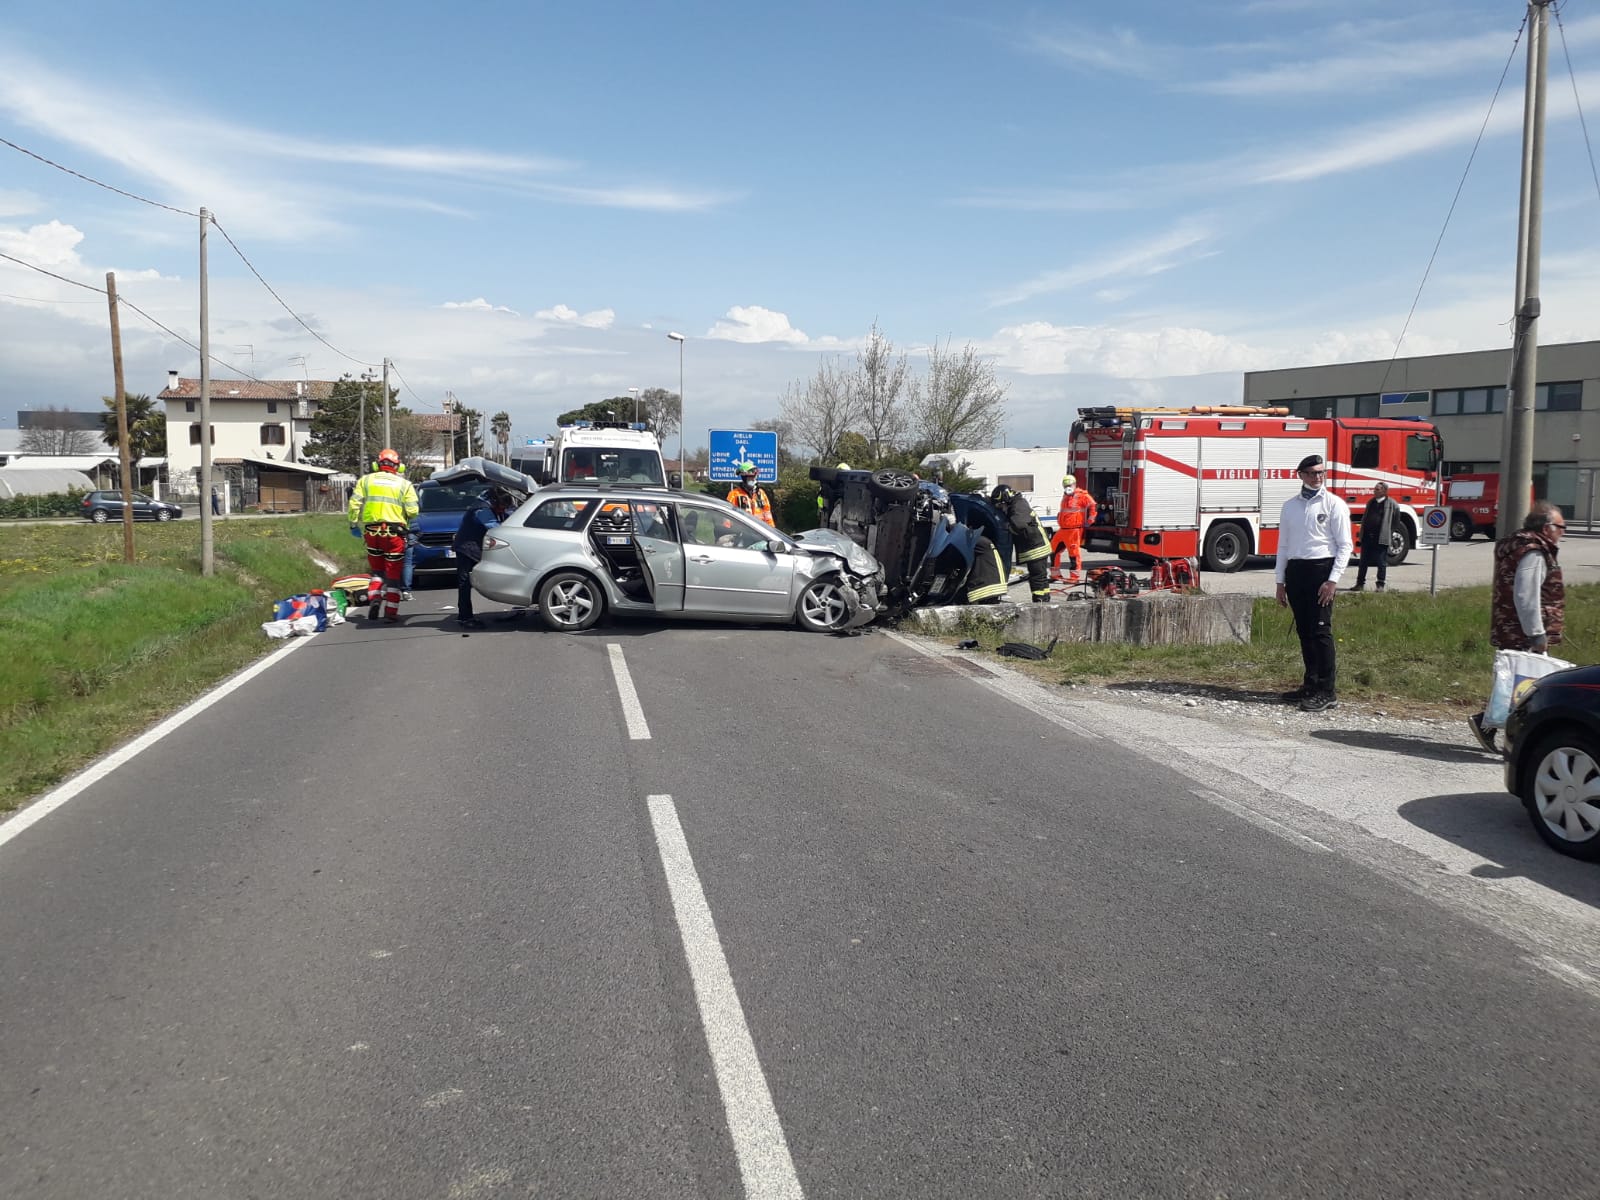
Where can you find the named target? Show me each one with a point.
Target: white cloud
(1039, 348)
(600, 318)
(1173, 248)
(478, 305)
(1119, 51)
(753, 323)
(52, 245)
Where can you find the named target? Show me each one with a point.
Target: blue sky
(517, 202)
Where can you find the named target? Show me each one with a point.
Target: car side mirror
(775, 547)
(675, 479)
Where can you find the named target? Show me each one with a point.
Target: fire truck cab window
(1419, 453)
(1364, 450)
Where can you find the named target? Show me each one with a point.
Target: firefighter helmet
(388, 460)
(1001, 493)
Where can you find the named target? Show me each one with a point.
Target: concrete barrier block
(1156, 619)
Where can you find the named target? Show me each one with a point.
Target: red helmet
(388, 460)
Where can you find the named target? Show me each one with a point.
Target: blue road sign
(729, 446)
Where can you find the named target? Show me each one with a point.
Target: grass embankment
(1404, 652)
(96, 650)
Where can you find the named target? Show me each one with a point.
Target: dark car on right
(1553, 758)
(924, 535)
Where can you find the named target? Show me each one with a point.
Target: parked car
(924, 535)
(578, 552)
(101, 507)
(447, 497)
(1553, 758)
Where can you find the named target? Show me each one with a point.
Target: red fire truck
(1209, 483)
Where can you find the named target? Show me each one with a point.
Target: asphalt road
(702, 911)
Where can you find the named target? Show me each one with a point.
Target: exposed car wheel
(891, 483)
(99, 516)
(1460, 527)
(823, 607)
(163, 515)
(1227, 546)
(1399, 544)
(825, 474)
(570, 602)
(1561, 790)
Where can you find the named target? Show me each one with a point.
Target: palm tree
(500, 426)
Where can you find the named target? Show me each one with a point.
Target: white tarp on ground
(41, 481)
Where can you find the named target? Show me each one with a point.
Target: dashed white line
(763, 1152)
(638, 730)
(50, 801)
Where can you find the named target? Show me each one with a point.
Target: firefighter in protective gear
(382, 506)
(749, 495)
(986, 582)
(1078, 512)
(1032, 549)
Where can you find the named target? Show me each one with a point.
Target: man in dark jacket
(1377, 526)
(468, 547)
(1031, 548)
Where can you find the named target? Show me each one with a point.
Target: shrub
(57, 504)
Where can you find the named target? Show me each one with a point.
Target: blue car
(924, 535)
(447, 497)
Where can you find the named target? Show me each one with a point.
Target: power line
(280, 299)
(90, 179)
(1562, 29)
(1454, 200)
(412, 390)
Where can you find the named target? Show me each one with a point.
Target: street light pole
(635, 392)
(678, 337)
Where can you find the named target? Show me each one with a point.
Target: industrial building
(1464, 395)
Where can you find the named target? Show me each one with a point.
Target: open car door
(655, 535)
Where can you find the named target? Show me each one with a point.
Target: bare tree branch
(881, 394)
(961, 403)
(821, 410)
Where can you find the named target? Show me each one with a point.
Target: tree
(469, 432)
(617, 408)
(56, 431)
(821, 410)
(961, 403)
(412, 440)
(785, 432)
(147, 425)
(664, 412)
(335, 430)
(500, 426)
(880, 394)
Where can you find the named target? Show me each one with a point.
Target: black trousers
(464, 588)
(1312, 621)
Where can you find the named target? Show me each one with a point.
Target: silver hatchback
(578, 552)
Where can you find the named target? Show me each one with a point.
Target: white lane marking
(96, 771)
(637, 729)
(758, 1140)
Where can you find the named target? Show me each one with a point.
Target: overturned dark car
(926, 537)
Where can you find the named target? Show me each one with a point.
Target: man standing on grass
(1314, 546)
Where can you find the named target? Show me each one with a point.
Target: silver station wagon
(578, 552)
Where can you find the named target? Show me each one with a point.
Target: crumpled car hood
(831, 541)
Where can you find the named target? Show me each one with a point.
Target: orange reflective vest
(1077, 513)
(755, 503)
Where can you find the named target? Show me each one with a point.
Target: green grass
(97, 650)
(1404, 652)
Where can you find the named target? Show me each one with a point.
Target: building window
(272, 435)
(1366, 406)
(1474, 400)
(194, 434)
(272, 406)
(1558, 397)
(188, 406)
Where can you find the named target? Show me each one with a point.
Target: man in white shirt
(1314, 545)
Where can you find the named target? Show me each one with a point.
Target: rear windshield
(586, 463)
(559, 514)
(457, 498)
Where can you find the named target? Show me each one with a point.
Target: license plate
(449, 553)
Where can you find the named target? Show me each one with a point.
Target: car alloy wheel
(163, 515)
(99, 516)
(570, 602)
(1563, 796)
(823, 607)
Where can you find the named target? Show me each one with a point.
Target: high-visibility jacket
(755, 503)
(1078, 511)
(1027, 536)
(385, 496)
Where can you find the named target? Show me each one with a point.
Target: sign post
(1435, 532)
(731, 446)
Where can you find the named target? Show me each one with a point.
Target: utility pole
(1516, 476)
(122, 419)
(450, 430)
(361, 426)
(207, 533)
(387, 439)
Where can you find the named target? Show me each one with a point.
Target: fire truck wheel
(1227, 547)
(1399, 544)
(1460, 527)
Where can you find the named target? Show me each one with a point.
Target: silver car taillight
(490, 542)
